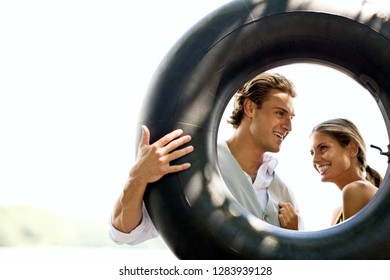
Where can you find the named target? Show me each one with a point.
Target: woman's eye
(323, 148)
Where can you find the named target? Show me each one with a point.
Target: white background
(73, 75)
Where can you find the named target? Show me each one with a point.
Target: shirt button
(265, 217)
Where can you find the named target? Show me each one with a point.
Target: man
(262, 116)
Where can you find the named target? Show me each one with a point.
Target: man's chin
(275, 150)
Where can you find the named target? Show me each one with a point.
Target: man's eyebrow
(284, 110)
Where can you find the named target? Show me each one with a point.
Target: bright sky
(73, 75)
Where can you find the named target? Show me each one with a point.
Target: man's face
(272, 122)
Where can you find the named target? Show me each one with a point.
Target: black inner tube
(194, 84)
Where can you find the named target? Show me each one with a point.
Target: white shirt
(143, 232)
(263, 179)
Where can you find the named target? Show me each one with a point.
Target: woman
(339, 156)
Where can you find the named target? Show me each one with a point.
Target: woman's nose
(316, 157)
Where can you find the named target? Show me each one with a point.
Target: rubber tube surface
(191, 89)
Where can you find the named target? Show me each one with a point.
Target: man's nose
(287, 125)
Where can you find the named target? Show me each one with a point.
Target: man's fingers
(180, 153)
(145, 136)
(167, 139)
(178, 168)
(284, 205)
(177, 143)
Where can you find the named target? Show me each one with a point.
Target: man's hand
(288, 218)
(153, 159)
(152, 164)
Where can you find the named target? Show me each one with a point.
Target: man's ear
(249, 107)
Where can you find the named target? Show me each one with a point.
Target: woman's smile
(322, 169)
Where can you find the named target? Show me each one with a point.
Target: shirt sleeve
(143, 232)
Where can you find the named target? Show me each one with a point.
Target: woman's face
(330, 159)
